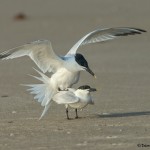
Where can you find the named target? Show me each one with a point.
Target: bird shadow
(125, 114)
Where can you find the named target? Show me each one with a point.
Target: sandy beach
(119, 120)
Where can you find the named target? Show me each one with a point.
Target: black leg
(76, 113)
(67, 113)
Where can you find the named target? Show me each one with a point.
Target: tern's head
(82, 62)
(87, 88)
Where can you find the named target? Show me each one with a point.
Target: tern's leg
(67, 112)
(76, 113)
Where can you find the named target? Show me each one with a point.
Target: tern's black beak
(90, 71)
(92, 90)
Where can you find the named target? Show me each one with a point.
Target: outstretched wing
(40, 52)
(101, 35)
(65, 97)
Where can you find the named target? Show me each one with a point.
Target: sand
(120, 117)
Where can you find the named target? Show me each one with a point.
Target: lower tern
(66, 69)
(76, 99)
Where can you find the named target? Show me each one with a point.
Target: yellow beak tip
(95, 76)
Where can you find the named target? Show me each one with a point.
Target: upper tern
(66, 69)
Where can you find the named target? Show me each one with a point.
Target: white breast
(85, 99)
(64, 78)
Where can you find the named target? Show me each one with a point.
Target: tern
(65, 69)
(77, 99)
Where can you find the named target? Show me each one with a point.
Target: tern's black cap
(87, 87)
(81, 60)
(84, 87)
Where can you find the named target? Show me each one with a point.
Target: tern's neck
(72, 65)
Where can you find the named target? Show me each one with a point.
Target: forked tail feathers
(43, 92)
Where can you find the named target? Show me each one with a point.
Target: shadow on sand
(125, 114)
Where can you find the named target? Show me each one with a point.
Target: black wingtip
(138, 29)
(4, 56)
(132, 31)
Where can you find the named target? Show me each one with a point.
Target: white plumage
(66, 69)
(76, 99)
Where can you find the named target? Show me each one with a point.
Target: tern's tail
(43, 92)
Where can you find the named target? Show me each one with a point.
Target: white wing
(65, 97)
(101, 35)
(40, 52)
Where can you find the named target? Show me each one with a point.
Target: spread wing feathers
(43, 92)
(65, 97)
(45, 79)
(101, 35)
(40, 52)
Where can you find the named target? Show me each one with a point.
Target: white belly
(63, 78)
(84, 99)
(79, 105)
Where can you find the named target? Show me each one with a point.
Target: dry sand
(120, 117)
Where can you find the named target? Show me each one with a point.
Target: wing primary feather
(3, 56)
(40, 52)
(101, 35)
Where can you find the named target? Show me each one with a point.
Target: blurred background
(64, 22)
(122, 67)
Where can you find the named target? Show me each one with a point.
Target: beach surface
(120, 118)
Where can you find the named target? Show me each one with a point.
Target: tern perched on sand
(66, 69)
(76, 99)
